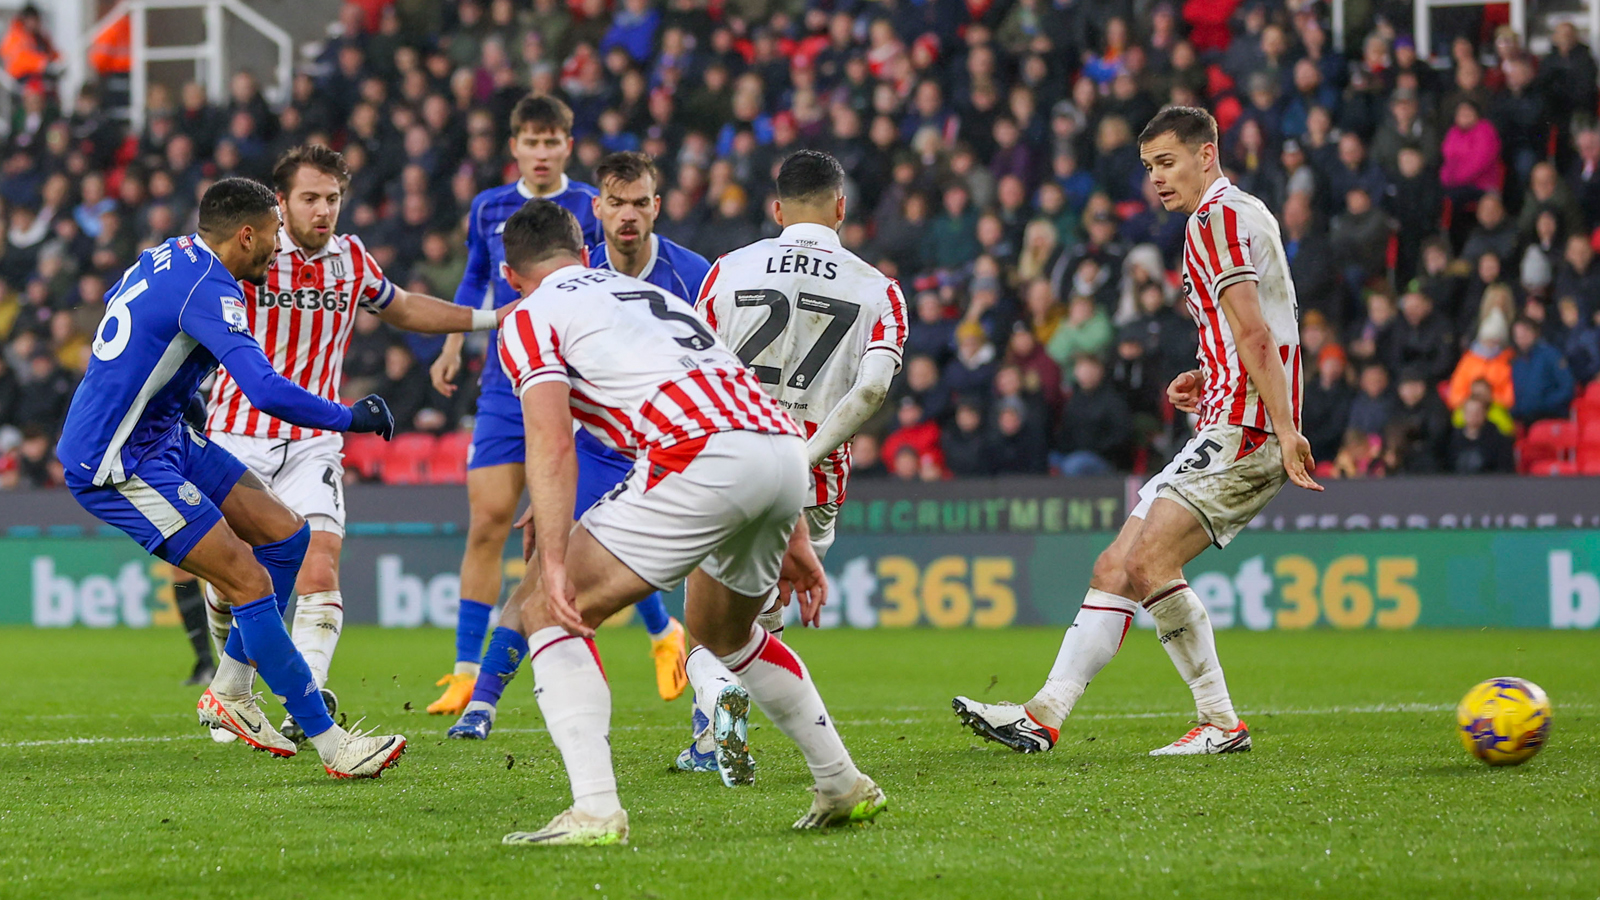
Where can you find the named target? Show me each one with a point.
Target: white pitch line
(1376, 709)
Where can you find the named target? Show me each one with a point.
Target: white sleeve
(866, 395)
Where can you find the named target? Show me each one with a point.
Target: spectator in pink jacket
(1471, 154)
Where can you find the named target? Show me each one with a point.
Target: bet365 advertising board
(986, 554)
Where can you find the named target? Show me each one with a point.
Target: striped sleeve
(373, 289)
(889, 332)
(705, 304)
(1227, 253)
(530, 352)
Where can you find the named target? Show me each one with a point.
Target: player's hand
(525, 522)
(370, 414)
(444, 370)
(1297, 459)
(1184, 392)
(802, 576)
(562, 598)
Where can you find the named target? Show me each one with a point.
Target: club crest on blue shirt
(189, 494)
(233, 313)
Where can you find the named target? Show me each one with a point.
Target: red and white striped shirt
(302, 317)
(1232, 237)
(802, 311)
(643, 371)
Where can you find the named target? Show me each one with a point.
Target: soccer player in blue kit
(541, 143)
(131, 461)
(627, 207)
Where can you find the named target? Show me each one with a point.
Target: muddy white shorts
(727, 505)
(307, 475)
(1225, 475)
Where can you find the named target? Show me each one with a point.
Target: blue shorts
(601, 470)
(497, 436)
(170, 499)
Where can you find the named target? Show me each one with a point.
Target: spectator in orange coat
(26, 50)
(1489, 359)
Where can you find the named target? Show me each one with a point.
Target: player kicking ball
(626, 207)
(304, 314)
(541, 144)
(173, 317)
(822, 331)
(715, 495)
(1247, 395)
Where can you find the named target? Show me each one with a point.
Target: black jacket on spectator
(1428, 427)
(1414, 203)
(1316, 276)
(1585, 285)
(1098, 421)
(1500, 240)
(1023, 453)
(43, 401)
(1429, 345)
(1325, 415)
(1490, 451)
(967, 453)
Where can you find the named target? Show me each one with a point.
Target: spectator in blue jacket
(633, 29)
(1540, 381)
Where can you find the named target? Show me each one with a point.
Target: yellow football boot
(670, 657)
(455, 697)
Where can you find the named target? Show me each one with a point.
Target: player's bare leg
(1092, 641)
(1171, 537)
(492, 495)
(778, 681)
(571, 688)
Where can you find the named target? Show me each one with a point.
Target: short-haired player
(1246, 394)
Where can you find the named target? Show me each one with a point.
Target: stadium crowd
(1441, 223)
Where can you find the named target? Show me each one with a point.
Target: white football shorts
(729, 511)
(307, 475)
(1225, 475)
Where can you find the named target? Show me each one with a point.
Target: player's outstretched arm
(430, 315)
(1253, 340)
(552, 476)
(865, 396)
(277, 396)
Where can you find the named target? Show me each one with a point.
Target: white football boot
(1006, 723)
(862, 804)
(730, 731)
(575, 829)
(1207, 738)
(365, 755)
(244, 719)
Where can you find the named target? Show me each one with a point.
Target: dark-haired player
(541, 143)
(822, 330)
(1247, 395)
(626, 206)
(303, 316)
(715, 495)
(173, 316)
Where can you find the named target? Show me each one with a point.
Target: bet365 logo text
(98, 601)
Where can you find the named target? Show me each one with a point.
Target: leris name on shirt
(803, 265)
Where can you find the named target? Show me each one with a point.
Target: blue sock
(266, 640)
(235, 646)
(472, 623)
(507, 650)
(282, 560)
(654, 613)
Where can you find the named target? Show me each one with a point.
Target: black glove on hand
(371, 414)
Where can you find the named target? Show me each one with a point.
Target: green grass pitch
(1357, 787)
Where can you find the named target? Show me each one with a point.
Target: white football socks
(779, 683)
(327, 743)
(233, 678)
(1185, 631)
(1092, 641)
(318, 619)
(576, 703)
(467, 668)
(219, 618)
(707, 677)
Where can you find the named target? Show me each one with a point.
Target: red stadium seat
(1589, 461)
(1554, 467)
(1592, 392)
(1590, 434)
(1586, 409)
(448, 464)
(363, 454)
(407, 459)
(1551, 440)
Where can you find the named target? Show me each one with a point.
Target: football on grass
(1504, 721)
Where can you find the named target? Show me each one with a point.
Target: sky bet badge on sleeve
(233, 313)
